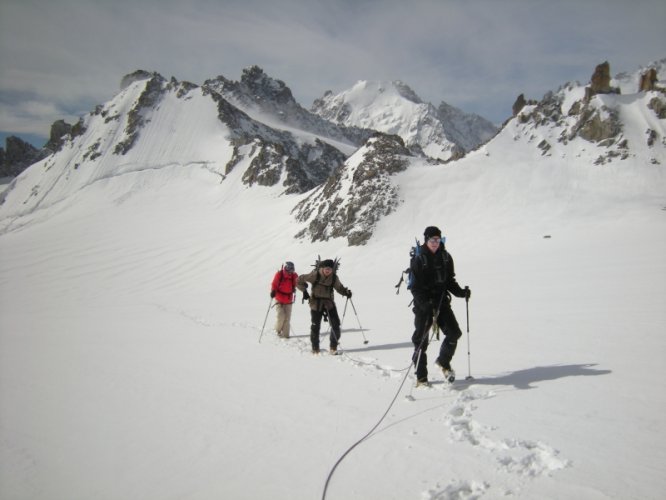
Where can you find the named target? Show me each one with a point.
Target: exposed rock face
(648, 80)
(275, 153)
(256, 91)
(519, 104)
(357, 195)
(18, 156)
(588, 119)
(468, 130)
(658, 105)
(598, 125)
(138, 75)
(600, 82)
(149, 98)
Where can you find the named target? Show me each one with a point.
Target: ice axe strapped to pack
(414, 251)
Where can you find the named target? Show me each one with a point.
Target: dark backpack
(415, 251)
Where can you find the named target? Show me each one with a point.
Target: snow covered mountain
(394, 108)
(254, 124)
(138, 358)
(616, 122)
(255, 127)
(570, 127)
(154, 123)
(270, 101)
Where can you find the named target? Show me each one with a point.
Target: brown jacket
(321, 295)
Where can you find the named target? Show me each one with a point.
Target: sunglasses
(436, 239)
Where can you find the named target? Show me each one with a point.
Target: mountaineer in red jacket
(283, 288)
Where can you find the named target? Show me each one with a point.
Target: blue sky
(60, 58)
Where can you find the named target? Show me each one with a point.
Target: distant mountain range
(445, 133)
(344, 152)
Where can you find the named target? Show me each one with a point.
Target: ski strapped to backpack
(415, 251)
(318, 265)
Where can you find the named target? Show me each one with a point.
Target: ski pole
(365, 341)
(344, 312)
(265, 319)
(469, 362)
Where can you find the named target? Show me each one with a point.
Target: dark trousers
(315, 327)
(448, 324)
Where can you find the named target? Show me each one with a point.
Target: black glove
(306, 295)
(348, 293)
(468, 293)
(272, 294)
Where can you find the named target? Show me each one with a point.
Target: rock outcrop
(648, 80)
(600, 83)
(356, 196)
(17, 156)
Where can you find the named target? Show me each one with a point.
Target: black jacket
(434, 276)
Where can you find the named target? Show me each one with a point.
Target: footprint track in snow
(513, 456)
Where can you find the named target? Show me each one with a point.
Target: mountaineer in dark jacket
(434, 281)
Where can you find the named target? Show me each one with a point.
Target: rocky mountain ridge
(259, 95)
(357, 195)
(594, 113)
(256, 131)
(577, 123)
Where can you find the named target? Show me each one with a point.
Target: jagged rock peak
(594, 113)
(648, 80)
(263, 86)
(600, 82)
(17, 156)
(61, 131)
(405, 91)
(138, 75)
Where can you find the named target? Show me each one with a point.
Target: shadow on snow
(523, 379)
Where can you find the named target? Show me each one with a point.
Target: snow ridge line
(9, 227)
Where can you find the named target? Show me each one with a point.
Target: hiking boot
(444, 365)
(333, 350)
(422, 382)
(447, 371)
(315, 351)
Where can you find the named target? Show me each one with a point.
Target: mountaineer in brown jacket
(324, 280)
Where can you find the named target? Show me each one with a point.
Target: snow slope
(131, 314)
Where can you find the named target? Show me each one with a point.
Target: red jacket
(284, 284)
